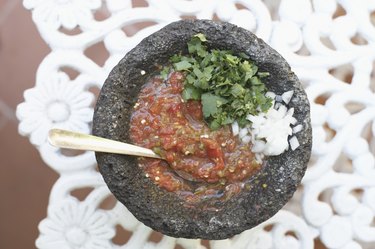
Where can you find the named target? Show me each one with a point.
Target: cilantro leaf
(164, 73)
(201, 37)
(191, 92)
(263, 74)
(237, 90)
(243, 55)
(207, 72)
(195, 46)
(182, 65)
(211, 104)
(198, 73)
(229, 86)
(232, 59)
(215, 124)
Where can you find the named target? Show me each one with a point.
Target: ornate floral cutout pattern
(321, 39)
(65, 13)
(55, 102)
(71, 224)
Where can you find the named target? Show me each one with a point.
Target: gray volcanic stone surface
(163, 211)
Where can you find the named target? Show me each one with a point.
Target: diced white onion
(246, 139)
(291, 111)
(250, 118)
(293, 121)
(297, 128)
(256, 120)
(282, 111)
(277, 105)
(243, 132)
(271, 95)
(294, 144)
(259, 157)
(290, 131)
(278, 98)
(258, 146)
(276, 147)
(287, 96)
(235, 128)
(269, 131)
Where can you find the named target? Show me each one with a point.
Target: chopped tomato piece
(194, 109)
(212, 147)
(167, 130)
(176, 81)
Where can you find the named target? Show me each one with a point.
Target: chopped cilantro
(191, 92)
(182, 65)
(211, 104)
(164, 72)
(229, 86)
(201, 37)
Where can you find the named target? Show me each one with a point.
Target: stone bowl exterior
(270, 189)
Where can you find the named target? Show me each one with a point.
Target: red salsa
(200, 164)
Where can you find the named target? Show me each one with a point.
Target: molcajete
(267, 191)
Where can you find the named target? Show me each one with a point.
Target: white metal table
(329, 44)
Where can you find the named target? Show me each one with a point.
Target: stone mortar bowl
(163, 211)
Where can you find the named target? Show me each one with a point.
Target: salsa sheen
(200, 164)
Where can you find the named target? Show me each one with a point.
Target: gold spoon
(78, 141)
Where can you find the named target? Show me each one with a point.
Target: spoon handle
(78, 141)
